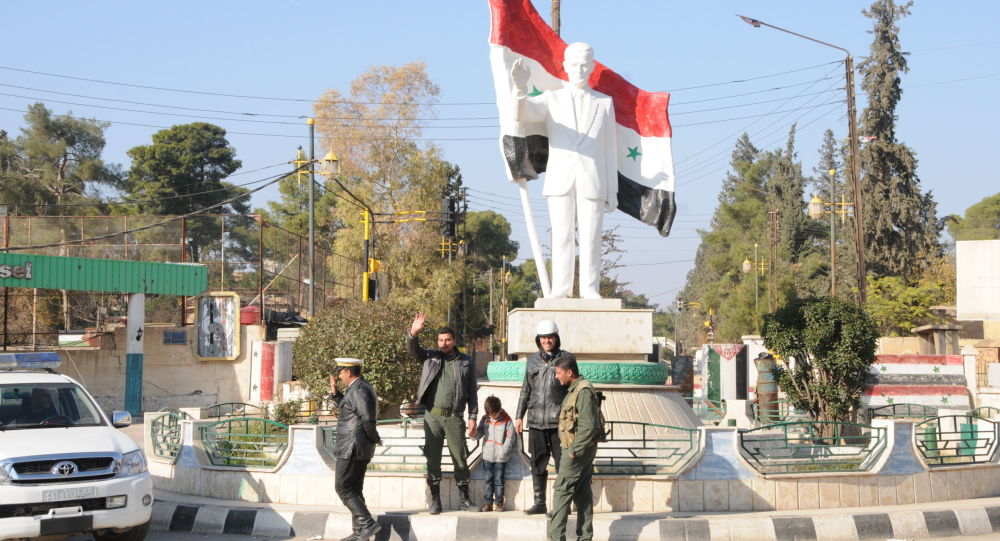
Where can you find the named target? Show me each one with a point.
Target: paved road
(168, 536)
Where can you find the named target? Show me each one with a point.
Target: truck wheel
(135, 533)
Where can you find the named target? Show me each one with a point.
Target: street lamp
(855, 167)
(757, 267)
(332, 165)
(816, 209)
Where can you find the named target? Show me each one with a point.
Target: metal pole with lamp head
(855, 166)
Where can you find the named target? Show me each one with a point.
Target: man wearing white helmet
(541, 398)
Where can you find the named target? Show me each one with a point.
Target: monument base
(653, 404)
(591, 329)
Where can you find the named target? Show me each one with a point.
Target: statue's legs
(565, 212)
(590, 217)
(562, 213)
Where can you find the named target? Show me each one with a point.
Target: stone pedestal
(592, 329)
(612, 344)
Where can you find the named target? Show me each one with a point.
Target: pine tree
(785, 191)
(717, 280)
(901, 226)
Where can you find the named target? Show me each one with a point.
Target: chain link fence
(266, 265)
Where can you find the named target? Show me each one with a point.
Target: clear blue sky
(298, 49)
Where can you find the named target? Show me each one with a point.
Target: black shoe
(352, 537)
(464, 502)
(435, 507)
(369, 531)
(537, 509)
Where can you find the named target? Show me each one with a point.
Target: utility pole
(859, 215)
(492, 328)
(774, 235)
(555, 15)
(312, 215)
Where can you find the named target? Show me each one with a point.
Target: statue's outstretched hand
(520, 74)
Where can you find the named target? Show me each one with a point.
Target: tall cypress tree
(785, 190)
(901, 226)
(717, 280)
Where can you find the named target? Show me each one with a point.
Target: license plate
(61, 494)
(62, 525)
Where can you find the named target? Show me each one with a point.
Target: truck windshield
(46, 405)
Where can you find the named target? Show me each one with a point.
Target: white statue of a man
(581, 179)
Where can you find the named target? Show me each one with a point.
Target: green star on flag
(944, 399)
(937, 369)
(883, 368)
(534, 91)
(633, 152)
(890, 400)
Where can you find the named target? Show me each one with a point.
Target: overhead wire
(275, 179)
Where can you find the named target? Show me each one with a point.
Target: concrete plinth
(654, 404)
(592, 329)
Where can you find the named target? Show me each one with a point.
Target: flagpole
(536, 247)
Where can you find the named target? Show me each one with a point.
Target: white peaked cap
(348, 361)
(546, 327)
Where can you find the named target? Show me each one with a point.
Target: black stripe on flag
(526, 156)
(649, 206)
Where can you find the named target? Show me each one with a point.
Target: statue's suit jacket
(582, 141)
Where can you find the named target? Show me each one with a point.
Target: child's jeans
(493, 492)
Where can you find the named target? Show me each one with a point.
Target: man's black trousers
(543, 443)
(350, 484)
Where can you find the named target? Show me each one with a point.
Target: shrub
(370, 331)
(833, 343)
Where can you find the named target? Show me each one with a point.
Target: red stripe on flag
(916, 390)
(920, 359)
(516, 24)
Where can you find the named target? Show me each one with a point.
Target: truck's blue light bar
(29, 361)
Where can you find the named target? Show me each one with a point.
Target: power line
(134, 201)
(307, 100)
(221, 94)
(145, 227)
(736, 81)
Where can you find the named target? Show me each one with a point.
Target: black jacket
(541, 393)
(466, 388)
(356, 433)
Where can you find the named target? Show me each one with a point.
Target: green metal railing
(635, 448)
(777, 411)
(709, 411)
(402, 448)
(165, 435)
(903, 411)
(985, 412)
(247, 442)
(956, 439)
(812, 446)
(231, 409)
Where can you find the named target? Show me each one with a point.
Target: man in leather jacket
(447, 386)
(355, 444)
(541, 398)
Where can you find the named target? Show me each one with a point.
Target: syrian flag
(645, 161)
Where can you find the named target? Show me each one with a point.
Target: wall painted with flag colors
(929, 380)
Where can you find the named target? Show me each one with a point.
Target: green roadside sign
(19, 269)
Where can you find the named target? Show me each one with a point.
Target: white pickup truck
(64, 466)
